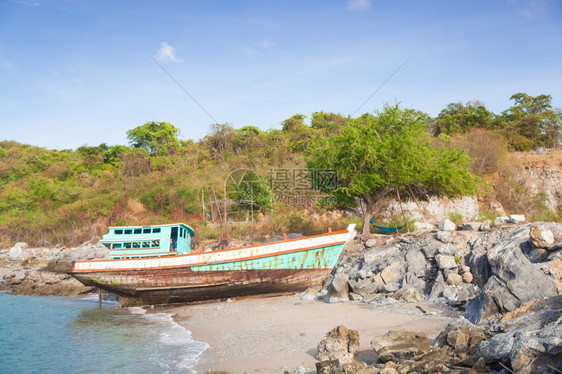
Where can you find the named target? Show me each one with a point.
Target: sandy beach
(271, 335)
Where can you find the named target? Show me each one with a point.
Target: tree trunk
(367, 214)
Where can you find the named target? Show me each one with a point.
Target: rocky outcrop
(42, 271)
(508, 276)
(400, 345)
(339, 344)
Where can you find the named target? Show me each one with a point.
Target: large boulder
(514, 280)
(541, 236)
(337, 289)
(530, 342)
(446, 225)
(401, 345)
(339, 344)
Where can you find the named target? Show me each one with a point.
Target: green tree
(155, 137)
(328, 122)
(531, 122)
(390, 154)
(299, 134)
(459, 118)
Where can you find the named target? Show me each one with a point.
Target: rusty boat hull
(273, 268)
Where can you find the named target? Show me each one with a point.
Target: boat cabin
(148, 241)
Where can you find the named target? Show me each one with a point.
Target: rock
(472, 226)
(541, 237)
(446, 225)
(513, 281)
(400, 345)
(389, 371)
(464, 269)
(467, 277)
(339, 344)
(450, 293)
(498, 221)
(328, 367)
(420, 226)
(388, 275)
(370, 243)
(16, 252)
(516, 218)
(300, 370)
(479, 367)
(409, 295)
(355, 296)
(486, 225)
(453, 279)
(391, 287)
(431, 362)
(443, 236)
(309, 294)
(530, 342)
(446, 262)
(337, 289)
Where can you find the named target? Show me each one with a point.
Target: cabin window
(156, 230)
(136, 245)
(156, 243)
(127, 245)
(128, 232)
(138, 231)
(118, 232)
(181, 232)
(117, 245)
(145, 244)
(146, 231)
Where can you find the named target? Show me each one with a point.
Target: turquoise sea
(71, 335)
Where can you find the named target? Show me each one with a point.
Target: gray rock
(375, 257)
(516, 218)
(472, 226)
(309, 294)
(16, 252)
(443, 236)
(498, 221)
(486, 225)
(337, 289)
(513, 281)
(355, 296)
(446, 250)
(450, 293)
(541, 237)
(446, 225)
(421, 226)
(391, 287)
(529, 342)
(446, 262)
(370, 243)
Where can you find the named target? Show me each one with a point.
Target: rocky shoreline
(506, 281)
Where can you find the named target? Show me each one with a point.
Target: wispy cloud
(359, 4)
(167, 53)
(262, 46)
(26, 2)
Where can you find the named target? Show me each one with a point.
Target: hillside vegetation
(276, 178)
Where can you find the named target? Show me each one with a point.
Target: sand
(272, 335)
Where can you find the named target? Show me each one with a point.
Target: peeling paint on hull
(273, 268)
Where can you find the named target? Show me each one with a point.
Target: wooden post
(99, 298)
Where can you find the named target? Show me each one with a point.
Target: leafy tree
(328, 122)
(531, 122)
(155, 137)
(390, 154)
(459, 118)
(298, 132)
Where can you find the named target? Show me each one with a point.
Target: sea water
(71, 335)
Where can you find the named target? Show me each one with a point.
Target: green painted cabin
(148, 241)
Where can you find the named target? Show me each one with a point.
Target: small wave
(174, 335)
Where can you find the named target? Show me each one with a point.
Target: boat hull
(272, 268)
(164, 286)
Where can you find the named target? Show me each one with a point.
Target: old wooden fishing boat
(154, 265)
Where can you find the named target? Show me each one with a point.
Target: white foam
(174, 335)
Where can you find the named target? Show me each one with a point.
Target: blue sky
(81, 72)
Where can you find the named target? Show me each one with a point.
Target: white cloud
(265, 44)
(167, 53)
(358, 4)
